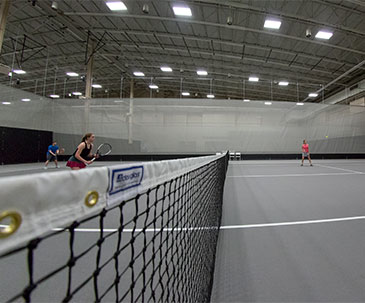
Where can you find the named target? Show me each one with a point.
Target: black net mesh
(158, 246)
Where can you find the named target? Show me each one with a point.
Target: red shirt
(305, 148)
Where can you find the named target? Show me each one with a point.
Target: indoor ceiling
(47, 43)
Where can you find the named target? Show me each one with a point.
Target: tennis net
(162, 249)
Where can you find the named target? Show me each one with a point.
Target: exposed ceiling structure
(225, 38)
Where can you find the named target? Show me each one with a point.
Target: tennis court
(152, 151)
(291, 233)
(288, 233)
(146, 247)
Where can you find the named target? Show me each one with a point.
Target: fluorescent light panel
(324, 35)
(116, 5)
(166, 69)
(273, 24)
(210, 96)
(72, 74)
(19, 71)
(138, 74)
(185, 93)
(202, 72)
(96, 86)
(6, 103)
(246, 100)
(268, 103)
(313, 95)
(283, 83)
(253, 79)
(54, 96)
(153, 86)
(26, 100)
(77, 93)
(182, 11)
(300, 103)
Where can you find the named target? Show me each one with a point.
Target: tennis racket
(103, 150)
(61, 151)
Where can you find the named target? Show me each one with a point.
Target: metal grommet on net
(15, 222)
(91, 198)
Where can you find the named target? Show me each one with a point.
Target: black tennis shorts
(51, 157)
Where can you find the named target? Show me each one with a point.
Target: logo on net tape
(126, 178)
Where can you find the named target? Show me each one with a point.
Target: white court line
(293, 223)
(18, 169)
(227, 227)
(291, 162)
(294, 175)
(343, 169)
(297, 162)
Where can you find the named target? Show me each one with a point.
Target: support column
(88, 88)
(89, 71)
(87, 116)
(130, 114)
(4, 10)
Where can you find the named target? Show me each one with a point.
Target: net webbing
(163, 249)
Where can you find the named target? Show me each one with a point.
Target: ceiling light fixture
(313, 95)
(283, 83)
(246, 100)
(96, 86)
(300, 103)
(19, 71)
(6, 103)
(324, 35)
(202, 72)
(25, 100)
(182, 11)
(185, 93)
(273, 24)
(54, 96)
(253, 79)
(153, 86)
(77, 94)
(166, 69)
(138, 74)
(210, 96)
(72, 74)
(54, 5)
(268, 103)
(116, 5)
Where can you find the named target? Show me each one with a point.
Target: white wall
(194, 126)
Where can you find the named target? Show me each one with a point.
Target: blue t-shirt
(53, 149)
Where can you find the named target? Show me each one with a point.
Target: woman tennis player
(305, 153)
(82, 155)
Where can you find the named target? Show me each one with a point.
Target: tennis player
(305, 153)
(82, 155)
(52, 152)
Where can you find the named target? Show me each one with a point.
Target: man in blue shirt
(52, 152)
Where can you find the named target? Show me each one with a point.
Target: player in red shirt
(305, 153)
